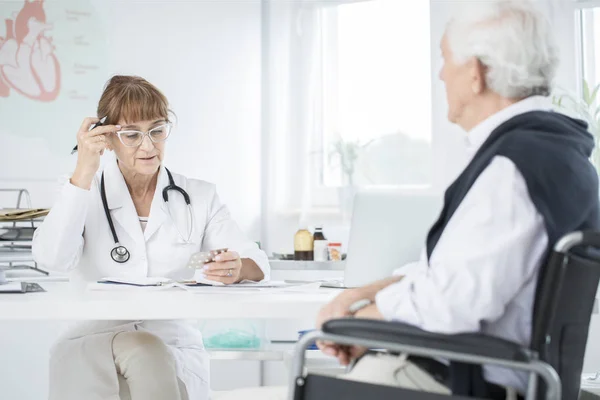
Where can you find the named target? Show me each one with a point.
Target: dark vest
(551, 152)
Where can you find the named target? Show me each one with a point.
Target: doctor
(149, 236)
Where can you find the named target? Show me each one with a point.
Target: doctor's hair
(132, 98)
(514, 42)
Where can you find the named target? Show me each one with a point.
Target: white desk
(61, 302)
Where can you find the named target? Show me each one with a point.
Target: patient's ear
(479, 71)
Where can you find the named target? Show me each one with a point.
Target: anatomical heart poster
(52, 70)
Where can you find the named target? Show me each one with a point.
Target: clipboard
(155, 281)
(20, 214)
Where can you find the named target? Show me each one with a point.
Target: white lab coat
(76, 237)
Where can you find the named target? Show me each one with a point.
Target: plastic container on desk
(234, 334)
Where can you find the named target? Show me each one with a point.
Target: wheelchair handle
(578, 238)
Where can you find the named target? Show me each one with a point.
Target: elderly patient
(528, 182)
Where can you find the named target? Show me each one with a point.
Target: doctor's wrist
(250, 271)
(82, 179)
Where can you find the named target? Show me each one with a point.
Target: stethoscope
(120, 253)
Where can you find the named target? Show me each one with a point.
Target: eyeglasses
(135, 138)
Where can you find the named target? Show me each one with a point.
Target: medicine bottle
(320, 245)
(303, 245)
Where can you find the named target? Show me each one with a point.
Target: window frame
(583, 30)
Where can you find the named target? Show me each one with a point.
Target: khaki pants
(128, 365)
(382, 369)
(146, 368)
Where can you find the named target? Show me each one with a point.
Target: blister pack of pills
(197, 260)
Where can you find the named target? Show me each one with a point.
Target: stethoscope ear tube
(120, 253)
(107, 212)
(173, 186)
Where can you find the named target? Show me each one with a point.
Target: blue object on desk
(313, 346)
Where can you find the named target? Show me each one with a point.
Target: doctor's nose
(146, 143)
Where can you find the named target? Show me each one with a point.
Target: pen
(97, 124)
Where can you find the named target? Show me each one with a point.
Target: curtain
(291, 104)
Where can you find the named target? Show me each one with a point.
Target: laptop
(388, 230)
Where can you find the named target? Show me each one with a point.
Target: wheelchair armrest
(397, 332)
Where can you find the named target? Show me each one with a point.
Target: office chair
(564, 301)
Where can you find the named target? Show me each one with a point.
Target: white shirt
(482, 274)
(143, 223)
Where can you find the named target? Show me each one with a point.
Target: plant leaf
(586, 92)
(594, 94)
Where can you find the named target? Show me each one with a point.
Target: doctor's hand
(226, 268)
(90, 146)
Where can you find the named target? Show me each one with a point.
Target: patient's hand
(338, 308)
(344, 354)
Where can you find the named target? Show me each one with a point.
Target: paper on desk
(10, 287)
(265, 284)
(136, 281)
(120, 287)
(282, 286)
(145, 282)
(219, 290)
(304, 288)
(258, 287)
(156, 281)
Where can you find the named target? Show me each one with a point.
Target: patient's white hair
(513, 39)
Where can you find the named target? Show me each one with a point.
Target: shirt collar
(482, 131)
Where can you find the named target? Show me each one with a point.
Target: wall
(204, 55)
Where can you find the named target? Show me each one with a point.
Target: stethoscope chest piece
(120, 254)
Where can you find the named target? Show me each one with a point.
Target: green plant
(348, 152)
(587, 109)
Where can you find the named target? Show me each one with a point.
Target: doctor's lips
(146, 158)
(97, 124)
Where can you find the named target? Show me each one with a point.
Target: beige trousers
(381, 369)
(128, 365)
(146, 368)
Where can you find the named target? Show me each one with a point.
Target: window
(347, 99)
(590, 28)
(376, 95)
(586, 105)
